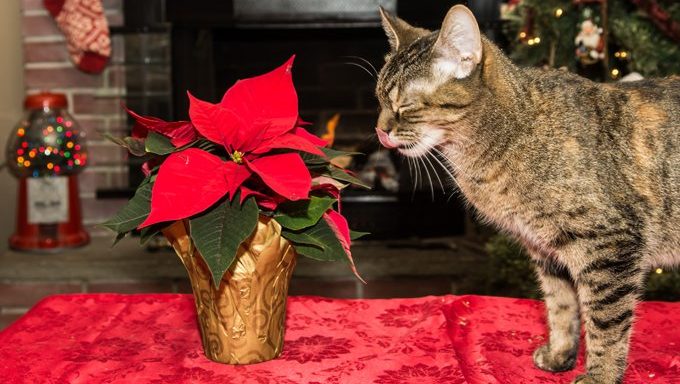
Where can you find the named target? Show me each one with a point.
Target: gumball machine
(46, 152)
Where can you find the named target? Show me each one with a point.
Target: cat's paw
(595, 379)
(586, 379)
(549, 361)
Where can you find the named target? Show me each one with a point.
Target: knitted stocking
(86, 30)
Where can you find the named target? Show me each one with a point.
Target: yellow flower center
(237, 157)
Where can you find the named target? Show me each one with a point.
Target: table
(111, 338)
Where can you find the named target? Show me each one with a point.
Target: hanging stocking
(86, 30)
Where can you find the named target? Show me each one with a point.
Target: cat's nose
(385, 139)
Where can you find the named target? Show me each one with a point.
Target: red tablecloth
(468, 339)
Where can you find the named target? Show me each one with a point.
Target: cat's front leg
(608, 289)
(559, 353)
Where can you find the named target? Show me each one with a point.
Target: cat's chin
(427, 142)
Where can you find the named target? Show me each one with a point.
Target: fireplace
(213, 43)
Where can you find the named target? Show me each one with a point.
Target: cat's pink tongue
(385, 140)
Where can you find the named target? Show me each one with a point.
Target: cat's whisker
(414, 177)
(448, 172)
(450, 169)
(362, 67)
(418, 177)
(375, 71)
(429, 178)
(441, 184)
(453, 166)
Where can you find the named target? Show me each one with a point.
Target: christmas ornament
(590, 40)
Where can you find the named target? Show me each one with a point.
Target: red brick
(26, 294)
(116, 76)
(39, 26)
(312, 287)
(117, 49)
(94, 105)
(60, 77)
(132, 287)
(407, 287)
(106, 154)
(115, 19)
(97, 211)
(92, 126)
(38, 4)
(112, 4)
(27, 5)
(45, 52)
(7, 319)
(90, 180)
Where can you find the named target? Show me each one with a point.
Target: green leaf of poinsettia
(318, 242)
(158, 144)
(355, 235)
(339, 174)
(147, 233)
(218, 233)
(119, 237)
(301, 214)
(134, 145)
(134, 213)
(330, 153)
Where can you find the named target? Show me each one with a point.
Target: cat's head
(429, 82)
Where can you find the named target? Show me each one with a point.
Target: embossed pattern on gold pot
(242, 321)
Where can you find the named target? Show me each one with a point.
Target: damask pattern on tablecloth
(154, 339)
(457, 340)
(494, 339)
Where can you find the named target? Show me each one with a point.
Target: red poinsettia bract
(255, 117)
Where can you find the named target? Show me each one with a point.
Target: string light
(559, 12)
(534, 41)
(615, 72)
(522, 35)
(621, 54)
(56, 148)
(659, 271)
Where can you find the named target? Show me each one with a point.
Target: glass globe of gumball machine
(46, 152)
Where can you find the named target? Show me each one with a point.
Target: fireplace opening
(212, 44)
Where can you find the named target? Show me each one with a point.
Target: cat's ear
(399, 33)
(458, 48)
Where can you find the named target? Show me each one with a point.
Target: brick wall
(94, 100)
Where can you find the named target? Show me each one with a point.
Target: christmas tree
(634, 36)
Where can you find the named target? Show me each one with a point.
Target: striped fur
(585, 175)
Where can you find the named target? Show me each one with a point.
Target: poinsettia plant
(246, 156)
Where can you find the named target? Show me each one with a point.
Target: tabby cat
(585, 175)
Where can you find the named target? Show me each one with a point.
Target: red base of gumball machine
(35, 231)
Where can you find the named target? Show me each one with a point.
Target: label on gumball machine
(47, 199)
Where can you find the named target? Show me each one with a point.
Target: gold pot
(242, 321)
